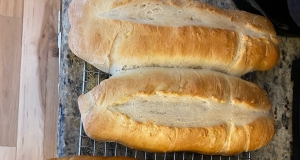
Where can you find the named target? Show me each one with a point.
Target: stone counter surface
(277, 83)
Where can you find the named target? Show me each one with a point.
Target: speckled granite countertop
(277, 83)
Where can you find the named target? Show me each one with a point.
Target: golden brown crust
(246, 19)
(258, 55)
(113, 44)
(154, 138)
(100, 123)
(249, 94)
(92, 158)
(169, 47)
(195, 82)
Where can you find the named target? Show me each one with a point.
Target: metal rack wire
(92, 77)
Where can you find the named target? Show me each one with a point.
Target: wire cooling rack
(92, 77)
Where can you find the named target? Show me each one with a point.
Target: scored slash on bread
(117, 35)
(167, 109)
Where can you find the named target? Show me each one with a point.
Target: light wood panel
(11, 8)
(50, 75)
(38, 103)
(7, 153)
(10, 58)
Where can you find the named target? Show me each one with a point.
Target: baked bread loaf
(93, 158)
(117, 35)
(168, 109)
